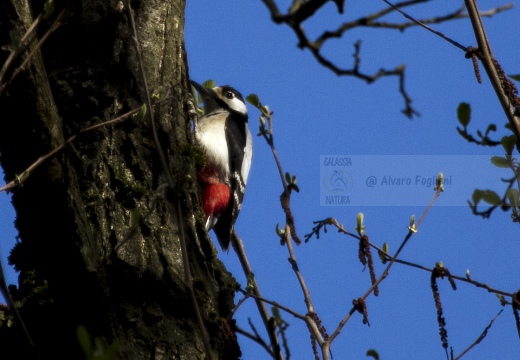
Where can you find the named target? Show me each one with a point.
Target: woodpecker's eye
(230, 95)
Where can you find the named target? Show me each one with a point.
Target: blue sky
(316, 114)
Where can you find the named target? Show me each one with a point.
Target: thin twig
(17, 49)
(504, 88)
(334, 222)
(276, 304)
(12, 307)
(508, 98)
(490, 64)
(299, 13)
(308, 319)
(299, 276)
(54, 26)
(238, 246)
(365, 21)
(456, 277)
(27, 172)
(285, 199)
(256, 338)
(379, 280)
(455, 15)
(480, 338)
(453, 42)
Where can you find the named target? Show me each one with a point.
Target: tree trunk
(99, 242)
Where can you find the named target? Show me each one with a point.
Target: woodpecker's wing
(239, 143)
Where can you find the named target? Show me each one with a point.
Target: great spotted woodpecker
(226, 141)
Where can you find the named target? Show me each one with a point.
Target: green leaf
(439, 182)
(209, 84)
(502, 299)
(276, 314)
(383, 253)
(279, 232)
(112, 352)
(373, 353)
(491, 127)
(253, 100)
(508, 142)
(250, 283)
(288, 177)
(360, 228)
(464, 113)
(477, 196)
(514, 197)
(491, 197)
(49, 9)
(515, 77)
(500, 161)
(139, 116)
(84, 340)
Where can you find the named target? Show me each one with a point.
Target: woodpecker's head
(221, 98)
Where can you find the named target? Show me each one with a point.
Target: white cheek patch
(237, 105)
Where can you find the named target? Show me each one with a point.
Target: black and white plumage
(227, 143)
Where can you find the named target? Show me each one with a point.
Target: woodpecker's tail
(223, 229)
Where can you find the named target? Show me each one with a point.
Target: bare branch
(22, 43)
(12, 308)
(299, 13)
(255, 337)
(366, 21)
(305, 10)
(278, 305)
(382, 277)
(294, 264)
(438, 33)
(238, 246)
(515, 304)
(504, 88)
(480, 338)
(285, 198)
(54, 26)
(334, 222)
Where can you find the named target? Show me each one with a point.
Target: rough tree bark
(73, 210)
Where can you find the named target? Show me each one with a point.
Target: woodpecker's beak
(209, 97)
(206, 94)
